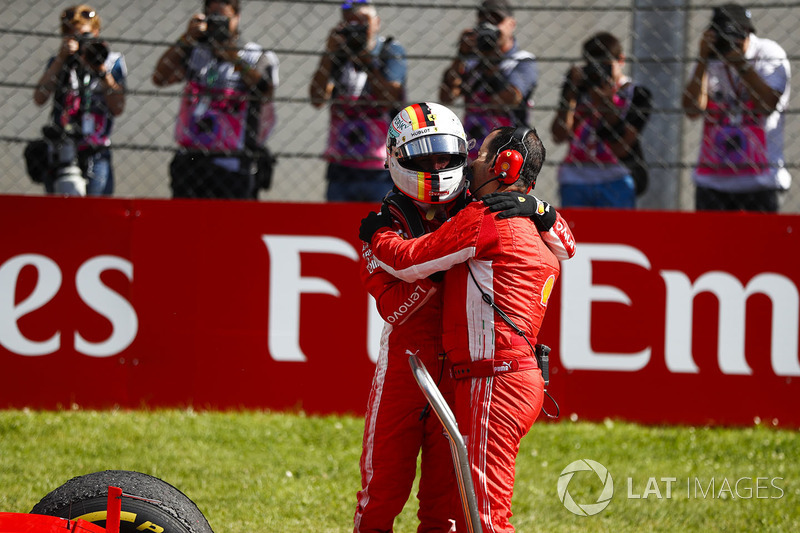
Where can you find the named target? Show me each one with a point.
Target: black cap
(732, 20)
(499, 7)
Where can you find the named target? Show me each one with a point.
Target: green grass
(254, 472)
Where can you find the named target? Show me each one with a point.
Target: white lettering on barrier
(90, 288)
(578, 294)
(732, 297)
(47, 285)
(104, 301)
(286, 285)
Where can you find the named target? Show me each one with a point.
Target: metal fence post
(659, 38)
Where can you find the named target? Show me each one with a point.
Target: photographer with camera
(87, 83)
(226, 111)
(740, 86)
(601, 115)
(363, 76)
(494, 77)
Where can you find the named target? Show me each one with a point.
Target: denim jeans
(98, 171)
(619, 194)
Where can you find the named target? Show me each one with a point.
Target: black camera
(597, 74)
(217, 29)
(727, 39)
(93, 50)
(486, 37)
(355, 37)
(63, 159)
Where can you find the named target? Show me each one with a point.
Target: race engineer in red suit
(398, 425)
(498, 387)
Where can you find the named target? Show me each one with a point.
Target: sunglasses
(86, 14)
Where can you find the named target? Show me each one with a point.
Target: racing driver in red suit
(426, 146)
(499, 276)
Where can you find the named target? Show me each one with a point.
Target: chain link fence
(660, 38)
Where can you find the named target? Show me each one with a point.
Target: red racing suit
(398, 424)
(507, 260)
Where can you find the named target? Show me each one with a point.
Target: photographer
(601, 115)
(363, 76)
(87, 82)
(494, 77)
(226, 111)
(740, 86)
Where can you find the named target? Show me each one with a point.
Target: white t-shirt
(760, 142)
(214, 107)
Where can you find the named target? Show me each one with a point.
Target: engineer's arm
(559, 239)
(553, 229)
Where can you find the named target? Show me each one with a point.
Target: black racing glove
(373, 222)
(516, 204)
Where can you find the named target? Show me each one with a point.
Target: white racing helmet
(422, 130)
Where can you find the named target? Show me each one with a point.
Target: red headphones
(508, 162)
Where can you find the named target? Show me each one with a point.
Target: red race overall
(507, 260)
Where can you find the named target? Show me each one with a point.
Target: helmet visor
(434, 144)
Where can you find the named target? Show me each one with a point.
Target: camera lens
(93, 50)
(355, 36)
(487, 36)
(217, 29)
(96, 53)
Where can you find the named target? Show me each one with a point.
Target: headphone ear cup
(508, 166)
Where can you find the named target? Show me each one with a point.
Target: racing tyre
(164, 508)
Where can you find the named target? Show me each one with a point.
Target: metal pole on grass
(457, 448)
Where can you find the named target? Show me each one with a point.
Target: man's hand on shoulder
(515, 204)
